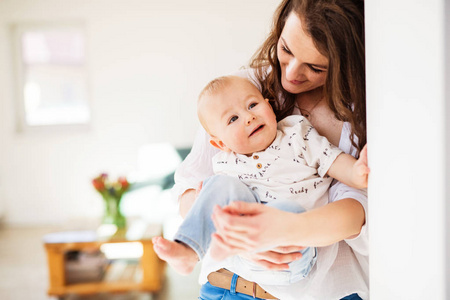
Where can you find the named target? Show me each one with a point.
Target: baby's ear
(268, 101)
(219, 144)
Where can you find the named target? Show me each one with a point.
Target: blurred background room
(90, 87)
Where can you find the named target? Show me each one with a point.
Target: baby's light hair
(212, 88)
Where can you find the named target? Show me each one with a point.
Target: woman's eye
(285, 49)
(252, 105)
(234, 118)
(317, 71)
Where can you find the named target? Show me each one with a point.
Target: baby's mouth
(257, 129)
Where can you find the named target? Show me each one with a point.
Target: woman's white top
(341, 269)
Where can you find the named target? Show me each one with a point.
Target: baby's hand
(361, 170)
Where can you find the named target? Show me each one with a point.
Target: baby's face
(241, 118)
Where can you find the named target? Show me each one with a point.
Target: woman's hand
(276, 259)
(361, 169)
(249, 227)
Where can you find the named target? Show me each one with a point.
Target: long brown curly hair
(337, 29)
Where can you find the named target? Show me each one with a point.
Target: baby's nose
(250, 118)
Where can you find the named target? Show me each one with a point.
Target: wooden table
(57, 245)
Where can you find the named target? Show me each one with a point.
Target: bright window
(52, 75)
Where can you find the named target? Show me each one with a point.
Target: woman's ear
(219, 144)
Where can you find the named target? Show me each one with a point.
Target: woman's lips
(259, 128)
(296, 82)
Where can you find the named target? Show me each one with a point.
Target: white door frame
(407, 137)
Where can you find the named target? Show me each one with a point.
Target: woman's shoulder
(250, 74)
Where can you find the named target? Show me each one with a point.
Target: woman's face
(303, 68)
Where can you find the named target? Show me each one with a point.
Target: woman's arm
(351, 171)
(249, 227)
(186, 201)
(193, 170)
(331, 223)
(339, 191)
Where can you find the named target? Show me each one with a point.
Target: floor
(23, 273)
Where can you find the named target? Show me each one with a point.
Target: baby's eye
(233, 118)
(252, 105)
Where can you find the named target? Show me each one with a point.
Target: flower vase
(113, 214)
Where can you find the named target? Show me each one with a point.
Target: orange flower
(123, 182)
(108, 188)
(99, 182)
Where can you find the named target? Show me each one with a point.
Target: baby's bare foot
(179, 256)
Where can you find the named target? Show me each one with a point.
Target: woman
(312, 63)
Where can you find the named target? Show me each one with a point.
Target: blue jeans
(197, 227)
(352, 297)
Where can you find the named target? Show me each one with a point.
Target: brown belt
(222, 279)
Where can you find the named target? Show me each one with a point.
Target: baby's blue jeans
(197, 227)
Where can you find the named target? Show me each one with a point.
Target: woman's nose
(293, 70)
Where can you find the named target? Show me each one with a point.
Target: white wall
(406, 135)
(148, 60)
(2, 201)
(447, 145)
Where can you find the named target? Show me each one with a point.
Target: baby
(286, 165)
